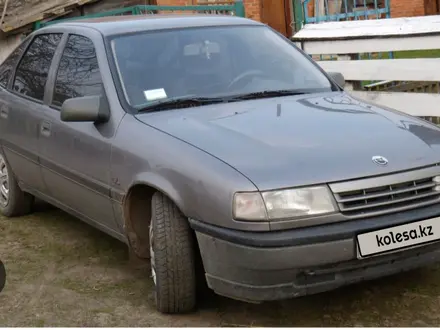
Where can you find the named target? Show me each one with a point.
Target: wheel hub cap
(4, 182)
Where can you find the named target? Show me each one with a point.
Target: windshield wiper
(181, 101)
(194, 100)
(274, 93)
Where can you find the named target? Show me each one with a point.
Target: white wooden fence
(384, 35)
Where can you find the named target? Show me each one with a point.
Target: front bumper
(256, 266)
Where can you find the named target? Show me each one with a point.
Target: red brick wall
(407, 8)
(253, 9)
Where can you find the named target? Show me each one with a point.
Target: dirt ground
(62, 272)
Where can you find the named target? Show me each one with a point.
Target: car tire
(172, 257)
(13, 201)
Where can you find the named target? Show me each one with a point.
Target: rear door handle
(45, 128)
(4, 112)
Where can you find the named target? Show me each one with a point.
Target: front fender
(201, 185)
(158, 182)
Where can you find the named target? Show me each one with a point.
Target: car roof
(111, 25)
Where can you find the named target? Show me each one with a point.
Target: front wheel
(172, 257)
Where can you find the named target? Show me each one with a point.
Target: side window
(32, 72)
(78, 74)
(7, 66)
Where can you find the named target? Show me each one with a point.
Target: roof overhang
(20, 17)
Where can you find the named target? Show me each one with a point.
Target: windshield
(210, 62)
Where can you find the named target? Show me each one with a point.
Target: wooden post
(320, 9)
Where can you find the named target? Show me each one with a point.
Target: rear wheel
(13, 201)
(172, 254)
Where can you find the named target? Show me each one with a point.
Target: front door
(75, 156)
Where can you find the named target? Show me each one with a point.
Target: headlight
(249, 206)
(279, 204)
(298, 202)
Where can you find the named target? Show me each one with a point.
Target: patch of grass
(430, 53)
(39, 323)
(410, 54)
(134, 289)
(63, 237)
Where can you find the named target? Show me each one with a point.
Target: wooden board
(371, 45)
(405, 26)
(418, 69)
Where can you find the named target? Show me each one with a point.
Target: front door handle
(45, 128)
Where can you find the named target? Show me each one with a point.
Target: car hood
(301, 140)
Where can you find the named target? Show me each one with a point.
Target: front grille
(376, 199)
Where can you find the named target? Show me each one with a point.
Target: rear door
(22, 106)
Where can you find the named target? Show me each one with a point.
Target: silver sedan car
(213, 146)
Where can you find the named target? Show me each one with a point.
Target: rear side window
(7, 67)
(78, 73)
(4, 78)
(32, 72)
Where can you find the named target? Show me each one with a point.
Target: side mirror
(88, 108)
(338, 78)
